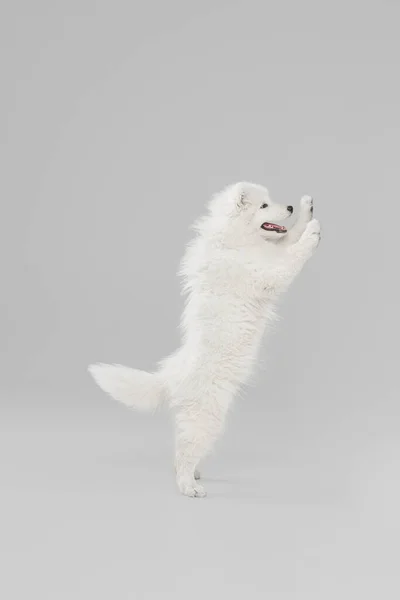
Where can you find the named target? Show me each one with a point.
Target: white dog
(234, 270)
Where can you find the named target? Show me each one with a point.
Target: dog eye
(264, 206)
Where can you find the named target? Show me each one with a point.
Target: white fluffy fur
(234, 272)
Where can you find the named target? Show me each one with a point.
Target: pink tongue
(272, 226)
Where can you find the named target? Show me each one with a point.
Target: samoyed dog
(234, 270)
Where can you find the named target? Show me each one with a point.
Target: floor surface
(90, 509)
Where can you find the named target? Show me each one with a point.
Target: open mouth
(273, 227)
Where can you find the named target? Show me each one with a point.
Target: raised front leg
(305, 216)
(301, 251)
(279, 276)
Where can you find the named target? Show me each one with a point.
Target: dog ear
(241, 200)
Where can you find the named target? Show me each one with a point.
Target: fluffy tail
(134, 388)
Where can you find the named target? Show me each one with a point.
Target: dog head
(251, 212)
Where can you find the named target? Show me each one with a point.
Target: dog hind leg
(196, 433)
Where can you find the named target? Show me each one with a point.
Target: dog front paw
(313, 232)
(307, 204)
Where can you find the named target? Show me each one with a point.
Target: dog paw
(307, 204)
(314, 227)
(193, 491)
(313, 232)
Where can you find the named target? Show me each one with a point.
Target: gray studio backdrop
(118, 120)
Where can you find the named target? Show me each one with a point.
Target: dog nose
(290, 209)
